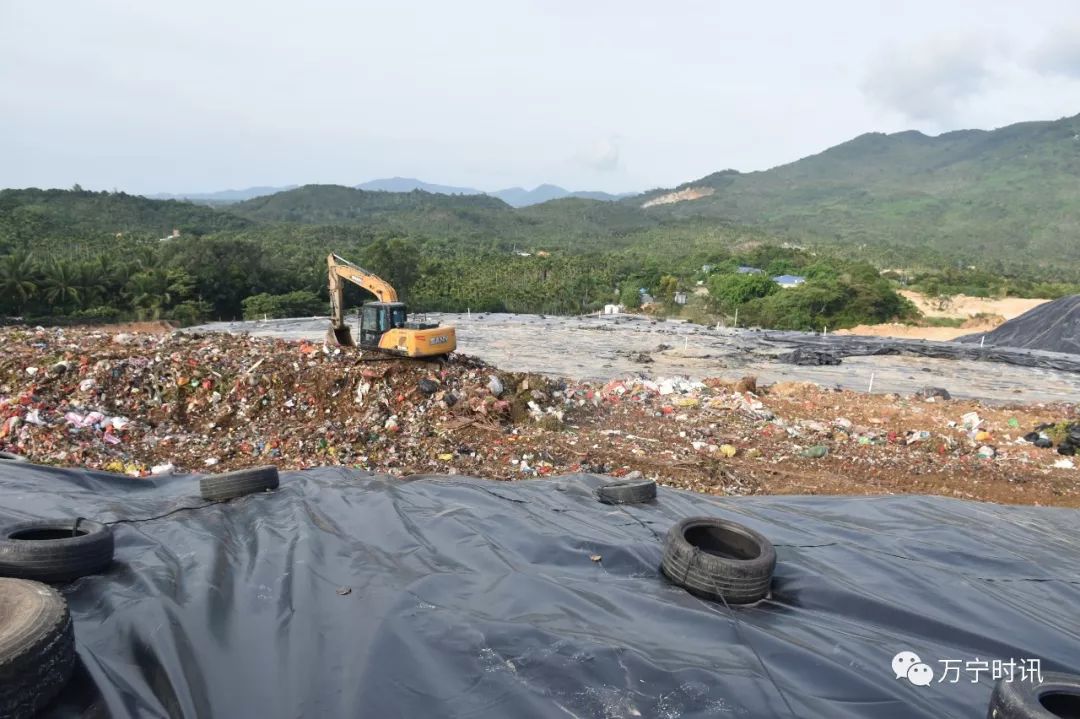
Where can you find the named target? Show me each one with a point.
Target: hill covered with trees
(974, 212)
(1002, 199)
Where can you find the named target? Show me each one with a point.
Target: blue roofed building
(789, 280)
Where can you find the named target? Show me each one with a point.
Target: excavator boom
(340, 271)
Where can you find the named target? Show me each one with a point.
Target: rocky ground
(184, 402)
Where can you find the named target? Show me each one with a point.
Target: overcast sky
(613, 95)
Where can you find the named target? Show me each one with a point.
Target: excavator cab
(377, 318)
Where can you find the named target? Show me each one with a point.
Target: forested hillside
(1002, 199)
(974, 212)
(442, 253)
(33, 217)
(322, 204)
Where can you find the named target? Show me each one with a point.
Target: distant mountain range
(408, 184)
(513, 196)
(1008, 197)
(222, 196)
(520, 197)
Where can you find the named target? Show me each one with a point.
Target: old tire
(718, 559)
(37, 646)
(239, 483)
(627, 491)
(1057, 696)
(12, 457)
(55, 550)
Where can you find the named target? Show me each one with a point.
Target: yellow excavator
(384, 324)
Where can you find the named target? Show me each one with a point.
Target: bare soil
(965, 306)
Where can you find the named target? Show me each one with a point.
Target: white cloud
(602, 155)
(930, 80)
(1059, 53)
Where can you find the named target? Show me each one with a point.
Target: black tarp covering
(1053, 327)
(472, 598)
(967, 348)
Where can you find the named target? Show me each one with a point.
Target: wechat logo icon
(907, 665)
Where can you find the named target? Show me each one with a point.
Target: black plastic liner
(966, 349)
(1054, 327)
(346, 594)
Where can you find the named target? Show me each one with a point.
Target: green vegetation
(837, 293)
(732, 290)
(1005, 201)
(291, 304)
(978, 213)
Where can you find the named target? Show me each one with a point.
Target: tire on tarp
(718, 559)
(627, 491)
(1057, 695)
(239, 483)
(55, 550)
(37, 646)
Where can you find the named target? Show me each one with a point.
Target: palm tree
(16, 279)
(149, 293)
(60, 284)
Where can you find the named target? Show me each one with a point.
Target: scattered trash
(195, 402)
(1064, 464)
(935, 392)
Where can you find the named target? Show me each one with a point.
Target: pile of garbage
(152, 404)
(157, 404)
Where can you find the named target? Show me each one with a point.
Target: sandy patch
(965, 306)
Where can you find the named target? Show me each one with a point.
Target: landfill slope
(345, 594)
(1051, 327)
(153, 405)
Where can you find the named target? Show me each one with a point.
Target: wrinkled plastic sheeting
(348, 594)
(858, 346)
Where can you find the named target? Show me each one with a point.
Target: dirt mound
(1052, 327)
(967, 306)
(983, 321)
(896, 329)
(157, 327)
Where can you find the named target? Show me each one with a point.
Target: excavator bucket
(340, 336)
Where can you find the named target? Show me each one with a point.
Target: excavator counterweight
(384, 323)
